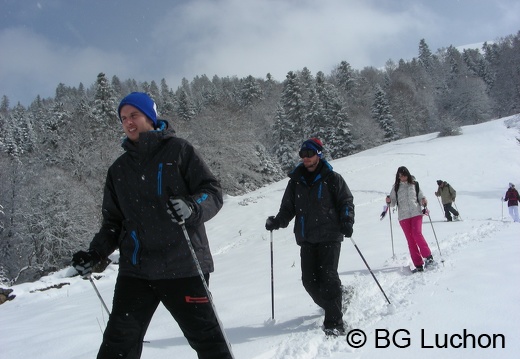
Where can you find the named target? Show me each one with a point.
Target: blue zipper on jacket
(159, 180)
(136, 247)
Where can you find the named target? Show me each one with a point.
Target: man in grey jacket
(155, 261)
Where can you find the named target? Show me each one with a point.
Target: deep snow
(475, 293)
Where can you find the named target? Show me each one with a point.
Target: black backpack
(416, 191)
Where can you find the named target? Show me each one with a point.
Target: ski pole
(440, 205)
(272, 279)
(370, 270)
(502, 200)
(435, 235)
(391, 231)
(180, 221)
(101, 298)
(98, 294)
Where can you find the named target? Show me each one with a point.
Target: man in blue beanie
(157, 193)
(143, 103)
(323, 205)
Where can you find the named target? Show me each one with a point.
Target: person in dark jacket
(155, 262)
(323, 206)
(512, 199)
(447, 194)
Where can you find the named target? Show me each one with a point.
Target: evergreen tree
(290, 120)
(166, 104)
(117, 87)
(345, 77)
(503, 74)
(381, 113)
(184, 106)
(105, 104)
(453, 61)
(293, 104)
(425, 55)
(335, 127)
(154, 91)
(315, 114)
(4, 105)
(251, 92)
(285, 146)
(306, 83)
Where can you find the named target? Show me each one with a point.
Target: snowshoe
(334, 332)
(418, 269)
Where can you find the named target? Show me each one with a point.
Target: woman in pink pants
(408, 197)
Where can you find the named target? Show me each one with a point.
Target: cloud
(256, 37)
(182, 39)
(31, 65)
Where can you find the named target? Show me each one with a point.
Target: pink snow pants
(412, 228)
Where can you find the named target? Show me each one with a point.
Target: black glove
(272, 223)
(83, 261)
(347, 229)
(178, 209)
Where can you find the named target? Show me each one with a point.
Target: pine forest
(54, 154)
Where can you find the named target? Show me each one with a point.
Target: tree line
(54, 154)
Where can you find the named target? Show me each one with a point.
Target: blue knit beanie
(313, 144)
(143, 103)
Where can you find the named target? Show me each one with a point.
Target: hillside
(473, 292)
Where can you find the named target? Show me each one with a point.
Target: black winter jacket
(135, 220)
(319, 207)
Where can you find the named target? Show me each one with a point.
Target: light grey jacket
(408, 206)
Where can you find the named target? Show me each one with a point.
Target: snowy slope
(473, 295)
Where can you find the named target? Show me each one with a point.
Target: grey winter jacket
(320, 207)
(135, 219)
(408, 206)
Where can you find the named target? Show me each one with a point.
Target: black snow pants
(135, 301)
(448, 211)
(320, 279)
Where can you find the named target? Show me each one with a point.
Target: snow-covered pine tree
(184, 106)
(251, 91)
(345, 77)
(289, 121)
(334, 130)
(381, 113)
(105, 105)
(284, 147)
(166, 102)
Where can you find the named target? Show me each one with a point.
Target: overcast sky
(47, 42)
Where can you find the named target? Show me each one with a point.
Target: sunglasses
(307, 153)
(402, 175)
